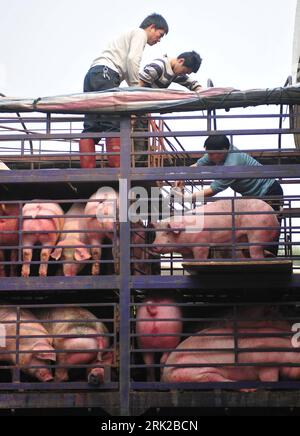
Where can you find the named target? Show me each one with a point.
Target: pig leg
(201, 253)
(290, 373)
(257, 238)
(14, 260)
(61, 374)
(27, 257)
(149, 361)
(96, 256)
(268, 375)
(2, 267)
(115, 251)
(45, 256)
(163, 361)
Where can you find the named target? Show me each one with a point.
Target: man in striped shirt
(161, 73)
(119, 61)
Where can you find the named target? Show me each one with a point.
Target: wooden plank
(248, 266)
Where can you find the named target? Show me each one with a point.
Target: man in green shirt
(221, 152)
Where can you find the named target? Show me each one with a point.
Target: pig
(8, 225)
(89, 350)
(175, 229)
(102, 228)
(102, 225)
(10, 239)
(33, 223)
(149, 322)
(228, 373)
(79, 253)
(41, 351)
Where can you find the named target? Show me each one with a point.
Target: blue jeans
(100, 78)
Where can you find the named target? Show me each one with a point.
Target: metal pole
(125, 270)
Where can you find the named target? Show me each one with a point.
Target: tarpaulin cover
(144, 100)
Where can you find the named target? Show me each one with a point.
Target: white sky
(47, 46)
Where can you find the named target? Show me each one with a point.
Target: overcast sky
(47, 46)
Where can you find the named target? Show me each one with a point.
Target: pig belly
(80, 358)
(210, 375)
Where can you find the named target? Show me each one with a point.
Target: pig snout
(96, 377)
(44, 375)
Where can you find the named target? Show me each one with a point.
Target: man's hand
(179, 184)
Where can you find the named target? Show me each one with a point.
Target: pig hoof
(25, 274)
(95, 270)
(95, 380)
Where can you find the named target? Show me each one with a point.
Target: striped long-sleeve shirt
(159, 74)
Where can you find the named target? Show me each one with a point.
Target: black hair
(156, 20)
(216, 143)
(191, 60)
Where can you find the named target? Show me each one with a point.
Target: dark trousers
(100, 78)
(276, 191)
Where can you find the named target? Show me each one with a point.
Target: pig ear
(46, 356)
(106, 358)
(177, 226)
(49, 354)
(56, 254)
(82, 253)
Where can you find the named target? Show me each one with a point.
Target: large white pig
(267, 363)
(39, 351)
(78, 349)
(101, 222)
(102, 216)
(157, 316)
(33, 224)
(72, 246)
(175, 229)
(9, 235)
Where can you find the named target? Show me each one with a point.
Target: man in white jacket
(120, 61)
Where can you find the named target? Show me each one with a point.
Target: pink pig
(89, 349)
(229, 373)
(158, 316)
(101, 223)
(175, 229)
(35, 224)
(39, 351)
(78, 239)
(10, 225)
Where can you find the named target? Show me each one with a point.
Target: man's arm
(150, 74)
(205, 193)
(134, 58)
(188, 82)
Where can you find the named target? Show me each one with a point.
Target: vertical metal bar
(125, 275)
(234, 234)
(236, 335)
(20, 233)
(17, 368)
(48, 124)
(209, 123)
